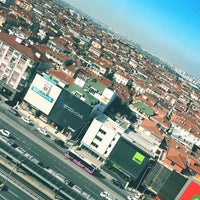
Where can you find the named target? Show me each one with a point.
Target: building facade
(17, 64)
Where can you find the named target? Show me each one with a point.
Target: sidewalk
(39, 123)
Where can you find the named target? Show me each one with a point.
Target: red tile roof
(62, 76)
(151, 127)
(29, 52)
(174, 156)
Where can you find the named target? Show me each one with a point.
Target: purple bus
(80, 161)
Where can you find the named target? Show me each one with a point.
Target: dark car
(117, 183)
(59, 142)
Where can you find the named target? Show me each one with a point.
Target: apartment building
(17, 64)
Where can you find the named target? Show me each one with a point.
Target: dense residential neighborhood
(121, 108)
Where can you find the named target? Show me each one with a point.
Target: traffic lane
(57, 168)
(13, 192)
(56, 164)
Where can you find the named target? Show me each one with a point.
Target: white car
(5, 132)
(20, 150)
(27, 155)
(43, 131)
(26, 119)
(4, 139)
(131, 198)
(107, 196)
(61, 177)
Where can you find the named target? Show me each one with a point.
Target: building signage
(42, 93)
(138, 158)
(71, 110)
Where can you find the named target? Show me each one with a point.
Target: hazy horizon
(169, 29)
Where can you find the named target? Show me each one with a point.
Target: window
(173, 163)
(102, 131)
(11, 49)
(15, 75)
(94, 144)
(77, 94)
(98, 138)
(24, 57)
(92, 90)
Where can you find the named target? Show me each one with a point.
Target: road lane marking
(3, 197)
(13, 193)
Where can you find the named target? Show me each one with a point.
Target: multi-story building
(17, 64)
(110, 142)
(101, 136)
(98, 90)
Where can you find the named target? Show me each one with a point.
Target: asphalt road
(51, 155)
(12, 191)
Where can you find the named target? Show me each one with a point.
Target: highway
(45, 150)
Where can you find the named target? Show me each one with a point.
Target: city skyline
(168, 29)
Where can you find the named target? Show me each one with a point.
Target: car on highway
(43, 131)
(26, 119)
(4, 139)
(27, 155)
(36, 161)
(10, 143)
(5, 132)
(20, 150)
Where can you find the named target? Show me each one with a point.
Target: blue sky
(167, 28)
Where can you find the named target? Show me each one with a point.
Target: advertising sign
(42, 93)
(69, 112)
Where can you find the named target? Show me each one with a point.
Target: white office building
(101, 137)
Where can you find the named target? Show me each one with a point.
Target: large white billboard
(42, 93)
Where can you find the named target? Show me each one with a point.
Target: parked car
(131, 198)
(5, 132)
(26, 119)
(59, 142)
(107, 196)
(43, 131)
(117, 183)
